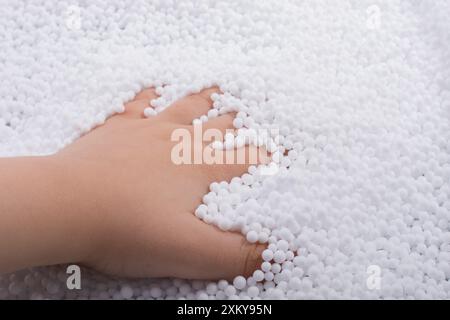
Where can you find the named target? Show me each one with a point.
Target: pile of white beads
(354, 96)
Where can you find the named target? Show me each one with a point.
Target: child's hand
(135, 207)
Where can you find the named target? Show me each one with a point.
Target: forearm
(37, 221)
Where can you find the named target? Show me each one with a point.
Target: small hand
(139, 206)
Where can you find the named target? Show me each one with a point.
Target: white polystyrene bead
(279, 256)
(213, 113)
(253, 291)
(252, 236)
(230, 290)
(263, 237)
(258, 275)
(202, 296)
(268, 276)
(239, 282)
(238, 123)
(265, 266)
(247, 179)
(211, 288)
(276, 268)
(222, 284)
(267, 255)
(156, 292)
(149, 112)
(283, 245)
(126, 292)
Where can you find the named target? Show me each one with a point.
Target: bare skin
(114, 201)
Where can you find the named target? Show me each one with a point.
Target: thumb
(211, 254)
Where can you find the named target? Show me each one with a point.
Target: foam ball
(239, 282)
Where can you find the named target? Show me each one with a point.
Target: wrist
(40, 214)
(77, 209)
